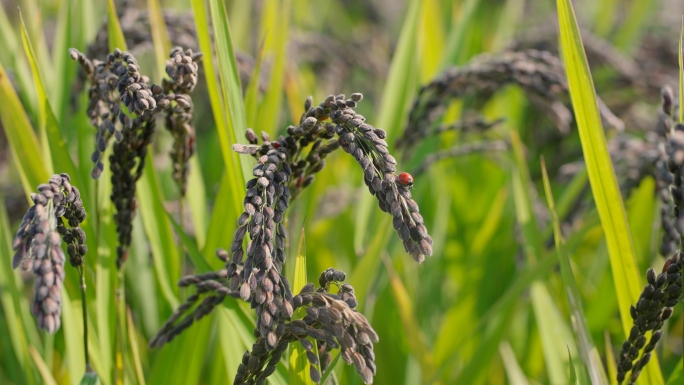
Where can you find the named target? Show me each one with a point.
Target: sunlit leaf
(601, 174)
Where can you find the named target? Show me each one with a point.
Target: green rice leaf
(64, 66)
(116, 36)
(160, 36)
(197, 200)
(23, 144)
(412, 331)
(219, 231)
(12, 58)
(196, 257)
(43, 369)
(299, 364)
(276, 19)
(252, 94)
(228, 204)
(611, 363)
(43, 103)
(573, 372)
(158, 230)
(601, 174)
(588, 352)
(457, 35)
(677, 376)
(627, 37)
(514, 372)
(135, 352)
(232, 90)
(12, 301)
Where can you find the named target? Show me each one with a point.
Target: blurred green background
(489, 307)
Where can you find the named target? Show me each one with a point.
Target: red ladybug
(405, 179)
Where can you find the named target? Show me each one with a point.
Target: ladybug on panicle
(405, 179)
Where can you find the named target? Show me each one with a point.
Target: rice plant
(341, 192)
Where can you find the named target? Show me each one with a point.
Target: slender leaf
(44, 370)
(412, 331)
(276, 20)
(601, 174)
(158, 229)
(573, 372)
(135, 352)
(43, 103)
(514, 372)
(230, 82)
(115, 34)
(24, 147)
(611, 363)
(160, 36)
(299, 364)
(457, 36)
(587, 349)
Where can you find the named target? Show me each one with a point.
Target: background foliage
(489, 307)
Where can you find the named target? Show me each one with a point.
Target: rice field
(341, 192)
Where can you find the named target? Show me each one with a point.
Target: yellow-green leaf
(116, 36)
(601, 174)
(588, 352)
(299, 364)
(160, 36)
(24, 147)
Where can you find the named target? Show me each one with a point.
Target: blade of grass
(299, 364)
(431, 35)
(573, 372)
(13, 59)
(627, 35)
(514, 372)
(133, 343)
(219, 231)
(610, 360)
(45, 373)
(160, 36)
(601, 174)
(196, 257)
(412, 331)
(604, 19)
(64, 66)
(11, 299)
(456, 40)
(197, 200)
(366, 270)
(677, 376)
(275, 26)
(115, 34)
(23, 144)
(252, 94)
(587, 349)
(158, 230)
(230, 85)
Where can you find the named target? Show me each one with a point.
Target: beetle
(405, 179)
